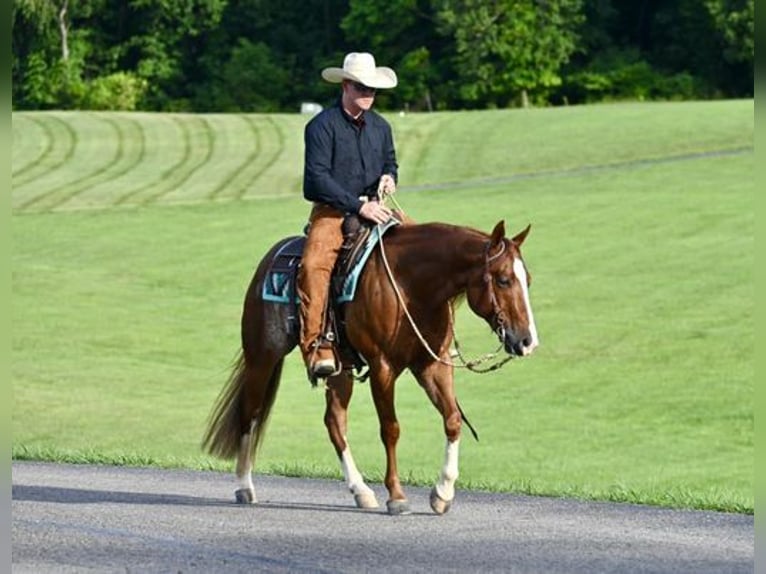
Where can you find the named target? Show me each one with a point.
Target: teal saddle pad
(279, 283)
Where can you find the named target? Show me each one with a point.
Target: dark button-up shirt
(344, 158)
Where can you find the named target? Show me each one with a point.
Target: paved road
(71, 518)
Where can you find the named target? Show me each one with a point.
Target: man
(350, 162)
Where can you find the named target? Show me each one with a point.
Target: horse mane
(417, 231)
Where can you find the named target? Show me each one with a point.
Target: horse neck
(437, 261)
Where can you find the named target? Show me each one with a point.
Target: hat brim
(383, 77)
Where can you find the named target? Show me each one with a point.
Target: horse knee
(452, 425)
(389, 433)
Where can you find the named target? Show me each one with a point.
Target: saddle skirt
(279, 285)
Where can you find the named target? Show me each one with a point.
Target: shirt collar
(358, 122)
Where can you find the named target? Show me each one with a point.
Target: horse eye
(503, 281)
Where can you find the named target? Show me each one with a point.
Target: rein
(471, 365)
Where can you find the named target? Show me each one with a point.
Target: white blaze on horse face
(521, 275)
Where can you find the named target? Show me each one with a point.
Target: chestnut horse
(400, 318)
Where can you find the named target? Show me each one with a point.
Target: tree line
(266, 55)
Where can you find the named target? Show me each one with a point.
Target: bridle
(499, 318)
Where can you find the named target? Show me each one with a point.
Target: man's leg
(319, 255)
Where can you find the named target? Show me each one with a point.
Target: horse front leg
(338, 396)
(437, 381)
(443, 493)
(382, 380)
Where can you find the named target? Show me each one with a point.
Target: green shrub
(119, 91)
(625, 75)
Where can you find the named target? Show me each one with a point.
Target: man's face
(358, 95)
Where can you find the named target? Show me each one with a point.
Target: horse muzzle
(516, 345)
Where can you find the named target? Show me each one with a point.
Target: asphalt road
(72, 518)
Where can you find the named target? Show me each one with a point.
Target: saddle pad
(349, 284)
(279, 284)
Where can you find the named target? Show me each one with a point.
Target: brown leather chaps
(325, 238)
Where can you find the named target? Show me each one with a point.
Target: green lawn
(135, 235)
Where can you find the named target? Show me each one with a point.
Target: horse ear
(519, 238)
(498, 233)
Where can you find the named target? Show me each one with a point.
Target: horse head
(500, 294)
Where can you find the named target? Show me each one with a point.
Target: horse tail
(238, 408)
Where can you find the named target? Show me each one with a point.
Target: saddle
(280, 283)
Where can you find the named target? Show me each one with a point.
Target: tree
(47, 57)
(249, 81)
(506, 49)
(401, 34)
(208, 55)
(734, 24)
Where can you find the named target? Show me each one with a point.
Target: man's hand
(375, 211)
(386, 185)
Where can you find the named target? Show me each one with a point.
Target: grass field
(135, 235)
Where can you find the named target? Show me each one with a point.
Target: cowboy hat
(360, 67)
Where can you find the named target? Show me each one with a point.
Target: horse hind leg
(239, 419)
(265, 383)
(245, 494)
(338, 396)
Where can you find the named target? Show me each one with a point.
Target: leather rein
(499, 319)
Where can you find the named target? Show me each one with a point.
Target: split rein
(472, 365)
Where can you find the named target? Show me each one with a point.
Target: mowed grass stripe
(578, 171)
(507, 142)
(60, 142)
(198, 142)
(119, 160)
(278, 147)
(131, 152)
(166, 158)
(228, 186)
(417, 134)
(30, 147)
(95, 149)
(270, 146)
(282, 175)
(197, 158)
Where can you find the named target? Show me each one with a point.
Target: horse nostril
(527, 341)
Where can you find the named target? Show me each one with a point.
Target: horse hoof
(245, 496)
(438, 504)
(366, 501)
(398, 507)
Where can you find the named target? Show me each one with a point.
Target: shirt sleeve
(389, 164)
(319, 185)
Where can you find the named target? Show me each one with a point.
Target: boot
(322, 363)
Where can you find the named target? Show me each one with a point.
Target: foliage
(250, 80)
(509, 47)
(118, 91)
(617, 75)
(205, 55)
(401, 34)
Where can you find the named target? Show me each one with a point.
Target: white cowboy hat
(360, 67)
